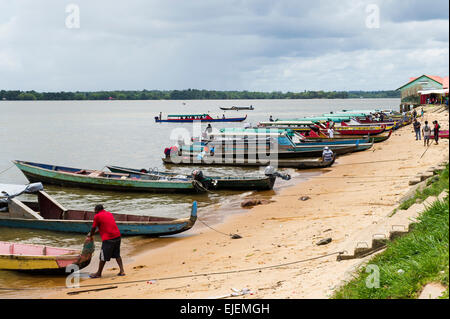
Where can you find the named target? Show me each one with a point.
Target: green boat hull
(47, 176)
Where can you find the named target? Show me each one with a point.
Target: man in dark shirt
(416, 125)
(110, 234)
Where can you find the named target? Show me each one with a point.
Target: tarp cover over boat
(8, 191)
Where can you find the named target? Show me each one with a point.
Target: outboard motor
(206, 182)
(270, 171)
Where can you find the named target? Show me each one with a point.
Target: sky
(255, 45)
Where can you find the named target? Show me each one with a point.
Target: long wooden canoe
(48, 214)
(221, 182)
(93, 179)
(299, 163)
(40, 259)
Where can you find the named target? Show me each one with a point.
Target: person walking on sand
(110, 234)
(426, 131)
(416, 125)
(436, 128)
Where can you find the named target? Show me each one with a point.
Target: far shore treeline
(190, 94)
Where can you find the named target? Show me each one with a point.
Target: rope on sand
(181, 276)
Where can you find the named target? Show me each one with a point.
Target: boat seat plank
(17, 209)
(96, 174)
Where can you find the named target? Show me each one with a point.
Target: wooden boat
(299, 163)
(297, 152)
(259, 145)
(40, 259)
(93, 179)
(237, 108)
(221, 182)
(48, 214)
(359, 130)
(189, 118)
(321, 136)
(442, 134)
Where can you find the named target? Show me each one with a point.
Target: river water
(92, 134)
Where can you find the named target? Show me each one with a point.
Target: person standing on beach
(414, 113)
(110, 234)
(421, 113)
(416, 125)
(330, 132)
(426, 131)
(436, 128)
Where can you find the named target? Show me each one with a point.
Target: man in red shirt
(110, 234)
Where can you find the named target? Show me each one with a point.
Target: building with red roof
(425, 88)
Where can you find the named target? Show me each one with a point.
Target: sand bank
(357, 191)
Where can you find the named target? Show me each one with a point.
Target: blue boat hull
(83, 227)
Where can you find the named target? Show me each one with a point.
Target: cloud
(225, 45)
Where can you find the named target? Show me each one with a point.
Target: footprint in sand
(139, 267)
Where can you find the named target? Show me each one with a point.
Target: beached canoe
(48, 214)
(300, 163)
(41, 259)
(101, 180)
(320, 136)
(359, 130)
(221, 182)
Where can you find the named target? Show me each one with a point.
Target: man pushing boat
(110, 234)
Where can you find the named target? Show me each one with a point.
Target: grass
(411, 261)
(431, 190)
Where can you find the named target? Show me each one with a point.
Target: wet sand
(357, 191)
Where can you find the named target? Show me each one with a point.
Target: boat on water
(237, 108)
(41, 259)
(219, 182)
(255, 144)
(297, 163)
(47, 214)
(189, 118)
(101, 180)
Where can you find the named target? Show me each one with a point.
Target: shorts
(110, 249)
(426, 137)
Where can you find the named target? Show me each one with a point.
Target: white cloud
(233, 44)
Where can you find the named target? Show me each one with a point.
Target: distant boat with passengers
(189, 118)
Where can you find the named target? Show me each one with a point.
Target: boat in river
(101, 180)
(237, 108)
(246, 183)
(255, 144)
(47, 214)
(297, 163)
(41, 259)
(189, 118)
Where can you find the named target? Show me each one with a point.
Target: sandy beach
(355, 192)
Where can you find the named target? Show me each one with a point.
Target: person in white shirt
(330, 132)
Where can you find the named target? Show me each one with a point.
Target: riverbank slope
(357, 191)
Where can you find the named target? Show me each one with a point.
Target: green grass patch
(434, 189)
(409, 262)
